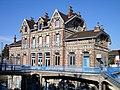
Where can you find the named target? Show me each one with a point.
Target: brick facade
(65, 39)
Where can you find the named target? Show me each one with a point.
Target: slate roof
(64, 17)
(84, 34)
(17, 44)
(30, 23)
(114, 52)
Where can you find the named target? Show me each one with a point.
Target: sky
(13, 12)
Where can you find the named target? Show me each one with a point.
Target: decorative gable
(56, 20)
(40, 23)
(76, 23)
(24, 27)
(27, 25)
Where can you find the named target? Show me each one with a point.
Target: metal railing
(51, 68)
(112, 78)
(60, 68)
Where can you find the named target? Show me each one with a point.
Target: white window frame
(57, 40)
(40, 27)
(39, 59)
(18, 56)
(47, 59)
(72, 56)
(57, 59)
(25, 43)
(40, 41)
(57, 23)
(33, 59)
(47, 41)
(33, 42)
(25, 29)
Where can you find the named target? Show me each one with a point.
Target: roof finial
(79, 14)
(102, 27)
(98, 24)
(97, 28)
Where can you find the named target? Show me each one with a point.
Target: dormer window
(25, 29)
(35, 26)
(57, 23)
(40, 26)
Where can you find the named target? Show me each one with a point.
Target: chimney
(97, 28)
(31, 19)
(79, 15)
(15, 39)
(70, 11)
(46, 17)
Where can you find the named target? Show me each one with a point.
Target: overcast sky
(13, 12)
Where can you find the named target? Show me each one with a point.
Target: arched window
(40, 41)
(57, 59)
(57, 39)
(40, 27)
(33, 59)
(57, 24)
(33, 42)
(47, 41)
(71, 58)
(25, 29)
(25, 43)
(86, 60)
(39, 59)
(18, 57)
(47, 59)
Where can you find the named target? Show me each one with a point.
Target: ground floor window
(17, 82)
(57, 58)
(39, 59)
(71, 58)
(47, 59)
(33, 59)
(86, 60)
(10, 84)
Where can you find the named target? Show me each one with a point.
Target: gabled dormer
(27, 26)
(40, 23)
(57, 21)
(75, 23)
(102, 38)
(43, 22)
